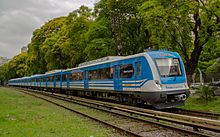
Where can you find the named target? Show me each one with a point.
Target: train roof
(54, 71)
(37, 75)
(114, 59)
(109, 59)
(100, 60)
(19, 78)
(104, 60)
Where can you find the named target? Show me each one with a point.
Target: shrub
(206, 93)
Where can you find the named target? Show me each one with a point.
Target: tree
(213, 71)
(37, 48)
(99, 40)
(15, 68)
(74, 33)
(126, 27)
(183, 26)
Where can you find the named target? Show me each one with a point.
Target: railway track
(208, 115)
(124, 131)
(180, 123)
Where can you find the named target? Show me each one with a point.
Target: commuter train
(155, 77)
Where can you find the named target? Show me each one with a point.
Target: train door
(68, 75)
(61, 79)
(35, 82)
(117, 79)
(55, 81)
(40, 82)
(86, 82)
(137, 74)
(46, 81)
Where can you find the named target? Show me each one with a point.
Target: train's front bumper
(166, 99)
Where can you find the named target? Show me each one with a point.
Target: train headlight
(186, 85)
(158, 84)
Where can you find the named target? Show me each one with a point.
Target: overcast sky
(19, 18)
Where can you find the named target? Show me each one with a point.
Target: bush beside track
(23, 115)
(195, 103)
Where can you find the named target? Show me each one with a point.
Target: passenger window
(58, 78)
(37, 80)
(138, 73)
(111, 73)
(64, 77)
(76, 76)
(44, 79)
(126, 71)
(105, 73)
(51, 79)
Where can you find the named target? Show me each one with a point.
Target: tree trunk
(192, 64)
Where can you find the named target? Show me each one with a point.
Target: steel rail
(214, 124)
(129, 133)
(139, 113)
(211, 115)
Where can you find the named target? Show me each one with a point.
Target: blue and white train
(156, 77)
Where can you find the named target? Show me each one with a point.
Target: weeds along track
(134, 121)
(202, 114)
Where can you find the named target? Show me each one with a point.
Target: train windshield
(169, 67)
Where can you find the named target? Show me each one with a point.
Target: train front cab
(169, 88)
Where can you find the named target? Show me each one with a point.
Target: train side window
(92, 74)
(105, 73)
(126, 71)
(80, 75)
(44, 79)
(37, 79)
(51, 78)
(138, 71)
(111, 73)
(76, 76)
(64, 77)
(58, 78)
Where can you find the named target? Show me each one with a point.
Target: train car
(157, 78)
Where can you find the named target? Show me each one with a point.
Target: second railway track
(147, 122)
(209, 115)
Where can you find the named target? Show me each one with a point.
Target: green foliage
(15, 68)
(183, 26)
(206, 93)
(36, 62)
(124, 27)
(99, 40)
(3, 70)
(213, 70)
(209, 60)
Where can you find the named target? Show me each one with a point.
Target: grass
(194, 103)
(25, 116)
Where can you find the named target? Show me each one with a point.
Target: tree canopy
(124, 27)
